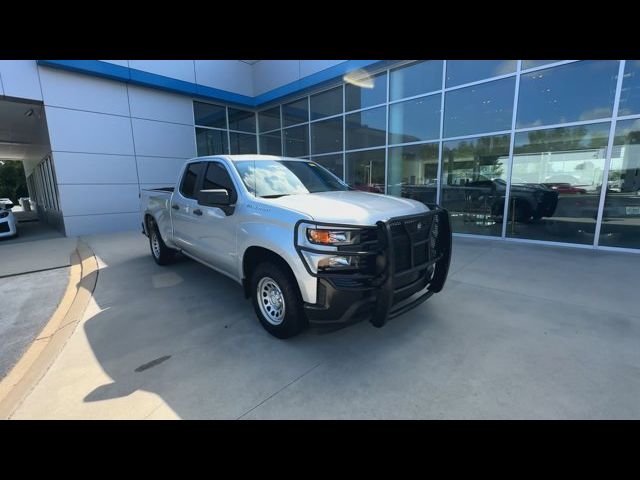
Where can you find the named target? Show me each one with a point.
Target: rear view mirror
(214, 197)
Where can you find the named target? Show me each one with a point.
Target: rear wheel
(277, 301)
(159, 250)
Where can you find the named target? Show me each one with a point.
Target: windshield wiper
(275, 196)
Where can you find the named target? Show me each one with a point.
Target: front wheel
(277, 301)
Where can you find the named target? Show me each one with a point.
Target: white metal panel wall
(161, 139)
(229, 75)
(20, 79)
(154, 104)
(94, 168)
(103, 134)
(157, 170)
(179, 69)
(98, 199)
(270, 74)
(88, 132)
(83, 92)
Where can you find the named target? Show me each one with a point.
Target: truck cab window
(188, 185)
(218, 177)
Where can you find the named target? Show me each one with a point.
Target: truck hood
(352, 207)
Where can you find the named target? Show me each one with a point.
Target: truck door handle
(175, 207)
(198, 212)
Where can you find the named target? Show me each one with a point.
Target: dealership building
(544, 151)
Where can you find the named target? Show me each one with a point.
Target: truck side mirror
(214, 197)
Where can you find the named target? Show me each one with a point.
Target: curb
(34, 363)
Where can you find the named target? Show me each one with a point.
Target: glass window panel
(296, 141)
(242, 143)
(414, 79)
(555, 183)
(189, 180)
(209, 115)
(269, 119)
(242, 120)
(365, 170)
(295, 112)
(326, 104)
(536, 63)
(211, 142)
(366, 129)
(483, 108)
(271, 143)
(630, 95)
(413, 172)
(365, 91)
(621, 216)
(568, 93)
(333, 163)
(415, 120)
(326, 136)
(474, 183)
(460, 72)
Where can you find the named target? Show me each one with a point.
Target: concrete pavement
(520, 331)
(28, 301)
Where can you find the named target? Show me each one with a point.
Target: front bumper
(7, 228)
(410, 266)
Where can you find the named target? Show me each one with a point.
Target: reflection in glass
(211, 142)
(326, 104)
(242, 143)
(366, 129)
(326, 136)
(269, 119)
(296, 141)
(415, 79)
(209, 115)
(413, 172)
(295, 112)
(460, 72)
(242, 120)
(483, 108)
(621, 216)
(365, 170)
(271, 143)
(568, 93)
(630, 94)
(474, 183)
(536, 63)
(415, 120)
(555, 183)
(333, 163)
(374, 93)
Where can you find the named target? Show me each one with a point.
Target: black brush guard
(396, 280)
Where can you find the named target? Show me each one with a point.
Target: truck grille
(411, 241)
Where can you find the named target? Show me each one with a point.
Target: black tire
(162, 254)
(293, 320)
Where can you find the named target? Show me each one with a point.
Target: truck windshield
(276, 178)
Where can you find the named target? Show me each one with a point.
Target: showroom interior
(542, 151)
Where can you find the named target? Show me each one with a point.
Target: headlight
(331, 237)
(4, 214)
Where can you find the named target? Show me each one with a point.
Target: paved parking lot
(520, 331)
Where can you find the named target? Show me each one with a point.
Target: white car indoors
(8, 224)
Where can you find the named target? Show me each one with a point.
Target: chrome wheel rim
(271, 301)
(155, 244)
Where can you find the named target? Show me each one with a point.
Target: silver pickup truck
(307, 248)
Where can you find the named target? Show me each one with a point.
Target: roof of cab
(252, 157)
